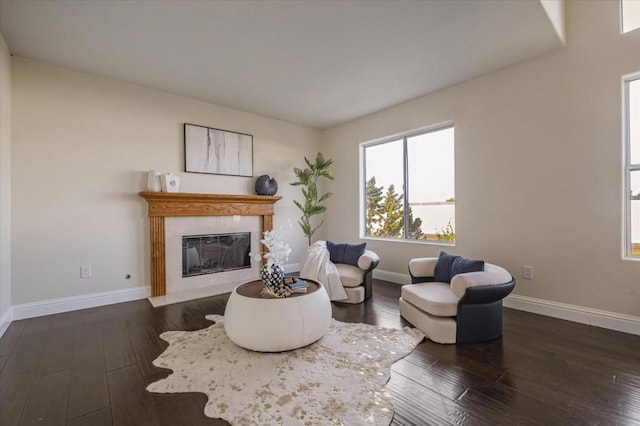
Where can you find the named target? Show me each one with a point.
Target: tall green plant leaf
(307, 178)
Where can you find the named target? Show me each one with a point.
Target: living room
(540, 172)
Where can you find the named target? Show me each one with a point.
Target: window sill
(421, 242)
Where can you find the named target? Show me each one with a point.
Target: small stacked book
(296, 285)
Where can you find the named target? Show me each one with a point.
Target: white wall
(5, 185)
(538, 166)
(81, 147)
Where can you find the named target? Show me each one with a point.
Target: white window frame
(628, 166)
(624, 30)
(363, 183)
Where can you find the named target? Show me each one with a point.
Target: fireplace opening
(210, 254)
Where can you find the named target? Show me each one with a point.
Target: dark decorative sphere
(266, 185)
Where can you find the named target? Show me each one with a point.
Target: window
(409, 187)
(632, 143)
(630, 11)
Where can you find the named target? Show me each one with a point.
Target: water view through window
(410, 187)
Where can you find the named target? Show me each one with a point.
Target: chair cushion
(492, 275)
(345, 253)
(351, 276)
(435, 298)
(367, 259)
(449, 265)
(438, 329)
(422, 267)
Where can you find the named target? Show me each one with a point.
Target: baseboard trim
(394, 277)
(5, 320)
(595, 317)
(66, 304)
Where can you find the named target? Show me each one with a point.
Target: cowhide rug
(340, 379)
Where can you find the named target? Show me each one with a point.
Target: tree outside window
(410, 187)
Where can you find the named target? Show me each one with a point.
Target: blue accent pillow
(336, 252)
(442, 271)
(449, 265)
(461, 265)
(345, 253)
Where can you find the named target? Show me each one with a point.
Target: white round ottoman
(276, 325)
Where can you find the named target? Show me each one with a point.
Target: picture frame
(218, 152)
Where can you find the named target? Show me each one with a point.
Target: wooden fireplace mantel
(163, 204)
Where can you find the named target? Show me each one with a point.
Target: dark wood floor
(91, 367)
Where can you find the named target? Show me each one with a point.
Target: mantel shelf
(192, 204)
(169, 204)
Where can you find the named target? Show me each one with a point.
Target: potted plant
(308, 180)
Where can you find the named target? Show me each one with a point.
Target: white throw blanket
(317, 267)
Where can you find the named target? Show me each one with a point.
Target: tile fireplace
(167, 204)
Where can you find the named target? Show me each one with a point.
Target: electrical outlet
(85, 271)
(527, 272)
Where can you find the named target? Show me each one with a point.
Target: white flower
(278, 250)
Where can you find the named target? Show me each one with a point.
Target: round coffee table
(276, 325)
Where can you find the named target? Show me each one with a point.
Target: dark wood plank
(47, 402)
(37, 325)
(27, 352)
(147, 346)
(131, 404)
(58, 352)
(87, 335)
(543, 370)
(629, 379)
(10, 337)
(100, 314)
(89, 390)
(65, 320)
(189, 316)
(454, 357)
(417, 405)
(449, 383)
(118, 351)
(142, 312)
(10, 413)
(508, 406)
(14, 390)
(568, 387)
(99, 418)
(184, 408)
(136, 312)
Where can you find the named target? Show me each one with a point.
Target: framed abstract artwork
(216, 151)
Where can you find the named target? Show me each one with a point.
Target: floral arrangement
(272, 273)
(279, 251)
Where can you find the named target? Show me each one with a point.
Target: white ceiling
(317, 63)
